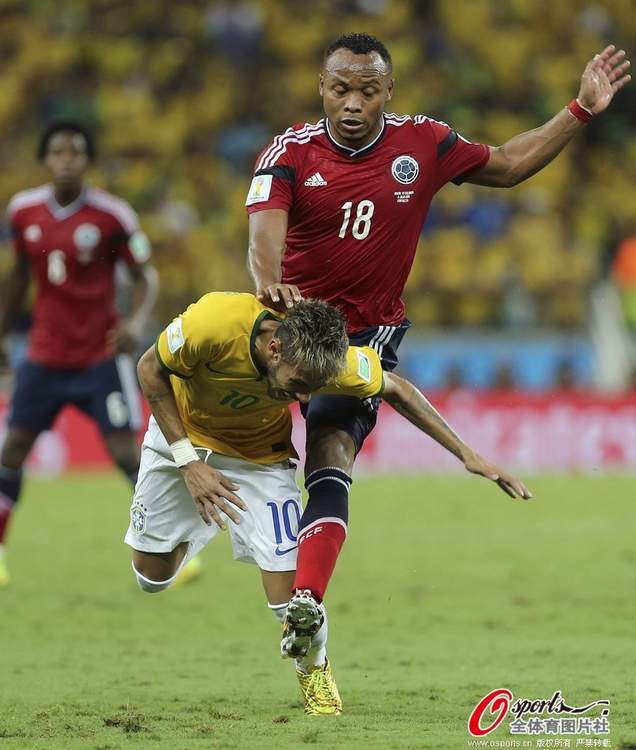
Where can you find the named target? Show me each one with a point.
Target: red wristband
(574, 108)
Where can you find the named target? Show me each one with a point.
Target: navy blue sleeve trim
(443, 147)
(283, 171)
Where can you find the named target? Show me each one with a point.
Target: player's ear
(389, 94)
(275, 349)
(321, 84)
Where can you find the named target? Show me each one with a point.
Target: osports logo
(544, 715)
(498, 703)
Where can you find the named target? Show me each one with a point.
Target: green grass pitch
(446, 589)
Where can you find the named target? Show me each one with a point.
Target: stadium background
(518, 291)
(523, 303)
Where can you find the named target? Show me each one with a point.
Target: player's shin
(322, 529)
(10, 486)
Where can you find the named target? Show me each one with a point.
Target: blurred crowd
(184, 95)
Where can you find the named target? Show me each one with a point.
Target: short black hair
(360, 44)
(66, 126)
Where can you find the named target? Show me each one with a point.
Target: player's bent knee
(155, 571)
(16, 448)
(329, 447)
(150, 587)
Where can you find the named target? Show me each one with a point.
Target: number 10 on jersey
(361, 224)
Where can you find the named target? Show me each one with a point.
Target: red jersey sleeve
(456, 156)
(274, 174)
(15, 230)
(129, 242)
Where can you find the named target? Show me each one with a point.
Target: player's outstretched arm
(527, 153)
(211, 491)
(268, 231)
(15, 290)
(408, 401)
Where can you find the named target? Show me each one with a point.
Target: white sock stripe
(325, 468)
(277, 606)
(330, 479)
(129, 389)
(326, 519)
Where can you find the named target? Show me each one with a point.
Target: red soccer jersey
(72, 251)
(355, 216)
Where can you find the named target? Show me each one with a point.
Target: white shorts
(163, 514)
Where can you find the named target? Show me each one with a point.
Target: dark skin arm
(211, 491)
(145, 288)
(16, 286)
(267, 233)
(527, 153)
(408, 401)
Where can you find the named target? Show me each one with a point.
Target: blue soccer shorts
(106, 391)
(355, 416)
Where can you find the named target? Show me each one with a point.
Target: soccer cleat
(189, 572)
(303, 620)
(320, 691)
(4, 571)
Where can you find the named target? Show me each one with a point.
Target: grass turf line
(446, 589)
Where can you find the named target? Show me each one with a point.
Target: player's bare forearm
(155, 384)
(408, 401)
(267, 233)
(527, 153)
(15, 290)
(144, 296)
(411, 403)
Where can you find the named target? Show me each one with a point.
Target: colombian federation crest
(405, 169)
(33, 233)
(138, 517)
(86, 238)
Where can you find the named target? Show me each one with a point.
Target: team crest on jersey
(405, 169)
(138, 518)
(86, 238)
(33, 233)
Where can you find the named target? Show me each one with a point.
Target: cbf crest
(86, 238)
(138, 518)
(405, 169)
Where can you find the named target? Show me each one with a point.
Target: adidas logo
(316, 180)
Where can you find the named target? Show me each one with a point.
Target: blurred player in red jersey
(67, 237)
(336, 210)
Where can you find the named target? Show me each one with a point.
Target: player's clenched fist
(211, 492)
(279, 296)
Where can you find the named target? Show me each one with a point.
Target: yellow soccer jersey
(221, 394)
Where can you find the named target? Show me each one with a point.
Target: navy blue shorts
(106, 391)
(355, 416)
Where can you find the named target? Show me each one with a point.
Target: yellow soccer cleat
(320, 691)
(4, 571)
(189, 572)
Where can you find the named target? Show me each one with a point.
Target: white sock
(279, 611)
(317, 654)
